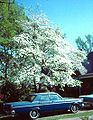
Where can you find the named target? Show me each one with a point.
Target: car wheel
(74, 108)
(34, 114)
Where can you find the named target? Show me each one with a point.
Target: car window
(55, 97)
(44, 98)
(30, 98)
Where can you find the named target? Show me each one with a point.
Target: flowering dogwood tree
(44, 56)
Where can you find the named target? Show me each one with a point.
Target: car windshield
(30, 98)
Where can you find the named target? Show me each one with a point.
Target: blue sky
(74, 17)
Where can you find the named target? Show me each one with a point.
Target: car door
(58, 103)
(45, 103)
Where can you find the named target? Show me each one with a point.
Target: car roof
(45, 93)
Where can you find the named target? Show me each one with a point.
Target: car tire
(34, 114)
(74, 108)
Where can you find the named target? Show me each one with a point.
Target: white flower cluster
(42, 46)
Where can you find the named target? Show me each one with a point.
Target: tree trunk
(35, 86)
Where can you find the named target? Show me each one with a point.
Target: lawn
(82, 114)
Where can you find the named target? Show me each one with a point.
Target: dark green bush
(10, 92)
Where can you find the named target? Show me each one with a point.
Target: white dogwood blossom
(45, 57)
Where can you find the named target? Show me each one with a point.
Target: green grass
(83, 115)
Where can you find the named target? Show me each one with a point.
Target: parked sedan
(41, 103)
(88, 100)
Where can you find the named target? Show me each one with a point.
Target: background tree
(85, 45)
(11, 15)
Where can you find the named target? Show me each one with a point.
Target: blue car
(41, 103)
(88, 100)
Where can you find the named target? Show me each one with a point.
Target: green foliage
(85, 45)
(9, 91)
(14, 92)
(10, 15)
